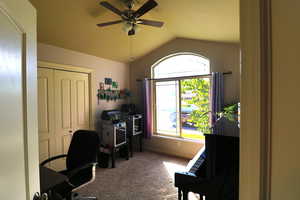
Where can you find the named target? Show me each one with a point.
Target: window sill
(158, 136)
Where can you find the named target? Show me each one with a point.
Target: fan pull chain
(130, 49)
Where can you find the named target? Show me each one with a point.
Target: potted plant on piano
(231, 112)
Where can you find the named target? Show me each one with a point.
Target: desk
(50, 178)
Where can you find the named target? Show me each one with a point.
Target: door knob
(37, 196)
(70, 131)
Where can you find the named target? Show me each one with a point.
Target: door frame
(23, 15)
(256, 99)
(71, 68)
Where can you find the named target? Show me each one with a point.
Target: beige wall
(223, 57)
(285, 161)
(174, 146)
(285, 167)
(102, 68)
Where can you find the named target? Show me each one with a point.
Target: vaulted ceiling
(71, 24)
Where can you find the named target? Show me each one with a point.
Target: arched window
(182, 96)
(181, 65)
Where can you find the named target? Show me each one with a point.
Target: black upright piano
(213, 172)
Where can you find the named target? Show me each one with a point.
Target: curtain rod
(183, 77)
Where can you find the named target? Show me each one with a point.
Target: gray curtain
(217, 95)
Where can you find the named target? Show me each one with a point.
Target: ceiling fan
(130, 17)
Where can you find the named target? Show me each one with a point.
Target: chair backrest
(83, 149)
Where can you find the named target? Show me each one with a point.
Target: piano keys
(213, 172)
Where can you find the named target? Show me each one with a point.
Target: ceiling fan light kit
(130, 28)
(130, 17)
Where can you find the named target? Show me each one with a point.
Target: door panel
(65, 103)
(46, 126)
(43, 104)
(80, 108)
(17, 116)
(63, 113)
(44, 150)
(81, 116)
(71, 108)
(66, 140)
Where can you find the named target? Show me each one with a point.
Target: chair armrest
(52, 158)
(73, 172)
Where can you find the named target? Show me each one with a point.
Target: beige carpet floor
(146, 176)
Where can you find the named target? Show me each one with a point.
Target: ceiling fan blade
(145, 8)
(111, 8)
(150, 23)
(109, 23)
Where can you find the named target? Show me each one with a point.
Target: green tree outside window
(199, 89)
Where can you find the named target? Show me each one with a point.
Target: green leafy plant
(199, 97)
(230, 112)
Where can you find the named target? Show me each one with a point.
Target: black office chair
(81, 163)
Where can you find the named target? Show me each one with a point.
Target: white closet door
(71, 108)
(47, 137)
(81, 114)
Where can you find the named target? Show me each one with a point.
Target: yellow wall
(72, 25)
(223, 57)
(102, 67)
(285, 181)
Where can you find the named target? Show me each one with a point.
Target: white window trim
(153, 88)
